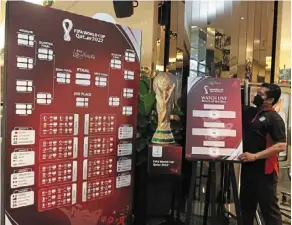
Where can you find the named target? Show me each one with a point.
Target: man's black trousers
(259, 190)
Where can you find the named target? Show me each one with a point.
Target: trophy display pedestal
(164, 159)
(158, 186)
(164, 182)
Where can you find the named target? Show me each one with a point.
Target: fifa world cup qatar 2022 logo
(67, 26)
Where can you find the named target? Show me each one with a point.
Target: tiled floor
(283, 185)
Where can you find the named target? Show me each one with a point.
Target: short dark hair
(274, 91)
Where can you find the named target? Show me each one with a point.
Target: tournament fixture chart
(71, 108)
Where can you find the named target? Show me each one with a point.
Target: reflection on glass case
(285, 76)
(194, 65)
(283, 108)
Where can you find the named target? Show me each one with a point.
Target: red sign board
(214, 127)
(71, 87)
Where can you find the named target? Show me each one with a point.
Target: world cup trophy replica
(164, 86)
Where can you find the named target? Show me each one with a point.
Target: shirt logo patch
(262, 119)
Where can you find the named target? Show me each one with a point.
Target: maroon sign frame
(214, 127)
(71, 87)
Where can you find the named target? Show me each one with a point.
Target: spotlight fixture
(124, 9)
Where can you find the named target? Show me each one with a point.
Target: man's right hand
(247, 157)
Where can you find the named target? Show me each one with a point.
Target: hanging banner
(214, 124)
(71, 85)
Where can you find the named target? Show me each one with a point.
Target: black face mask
(258, 101)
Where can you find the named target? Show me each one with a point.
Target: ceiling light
(159, 67)
(124, 9)
(179, 57)
(172, 60)
(242, 18)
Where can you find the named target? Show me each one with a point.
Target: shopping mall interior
(119, 112)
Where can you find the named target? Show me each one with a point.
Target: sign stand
(214, 134)
(192, 192)
(230, 179)
(210, 194)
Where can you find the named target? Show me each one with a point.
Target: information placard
(214, 128)
(164, 160)
(71, 85)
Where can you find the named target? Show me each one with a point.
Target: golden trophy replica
(164, 86)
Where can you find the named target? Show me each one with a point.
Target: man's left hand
(247, 157)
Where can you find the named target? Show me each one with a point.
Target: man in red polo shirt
(264, 137)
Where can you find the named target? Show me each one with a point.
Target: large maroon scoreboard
(71, 87)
